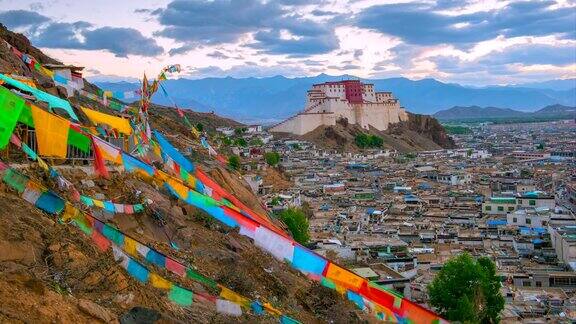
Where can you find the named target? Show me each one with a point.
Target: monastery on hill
(327, 102)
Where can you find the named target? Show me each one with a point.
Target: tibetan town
(287, 162)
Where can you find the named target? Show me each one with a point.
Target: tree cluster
(364, 140)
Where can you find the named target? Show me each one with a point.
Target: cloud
(272, 43)
(60, 35)
(21, 18)
(218, 55)
(243, 71)
(181, 50)
(44, 32)
(197, 23)
(421, 23)
(121, 42)
(530, 54)
(323, 13)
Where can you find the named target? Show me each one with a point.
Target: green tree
(363, 140)
(272, 158)
(200, 127)
(241, 142)
(234, 162)
(275, 201)
(376, 141)
(256, 142)
(467, 290)
(226, 141)
(297, 224)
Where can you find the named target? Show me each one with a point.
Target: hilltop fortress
(350, 99)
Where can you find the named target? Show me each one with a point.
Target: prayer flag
(180, 296)
(10, 108)
(51, 133)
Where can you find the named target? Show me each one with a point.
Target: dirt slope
(51, 272)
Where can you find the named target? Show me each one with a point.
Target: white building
(355, 101)
(528, 218)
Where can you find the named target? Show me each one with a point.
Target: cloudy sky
(468, 42)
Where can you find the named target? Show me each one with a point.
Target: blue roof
(496, 222)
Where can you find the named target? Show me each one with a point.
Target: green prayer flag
(191, 274)
(15, 180)
(83, 227)
(113, 235)
(180, 296)
(79, 141)
(328, 283)
(10, 108)
(26, 116)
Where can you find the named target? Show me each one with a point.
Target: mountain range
(475, 113)
(278, 97)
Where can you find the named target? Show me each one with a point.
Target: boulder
(96, 311)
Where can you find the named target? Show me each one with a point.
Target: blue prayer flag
(137, 271)
(156, 258)
(308, 262)
(171, 151)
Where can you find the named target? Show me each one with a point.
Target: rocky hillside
(419, 133)
(51, 272)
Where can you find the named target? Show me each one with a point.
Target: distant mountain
(278, 97)
(565, 84)
(475, 113)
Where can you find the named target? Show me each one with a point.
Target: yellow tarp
(51, 133)
(118, 123)
(343, 277)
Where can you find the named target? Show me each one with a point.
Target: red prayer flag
(175, 267)
(101, 242)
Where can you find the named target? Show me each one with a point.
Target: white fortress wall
(327, 102)
(304, 123)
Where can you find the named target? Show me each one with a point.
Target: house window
(526, 283)
(519, 201)
(532, 202)
(500, 208)
(510, 208)
(488, 208)
(514, 220)
(538, 283)
(528, 221)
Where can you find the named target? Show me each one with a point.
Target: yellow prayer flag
(229, 295)
(51, 133)
(159, 282)
(195, 132)
(69, 213)
(268, 307)
(130, 246)
(180, 189)
(42, 164)
(98, 203)
(343, 277)
(118, 123)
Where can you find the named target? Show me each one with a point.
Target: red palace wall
(353, 91)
